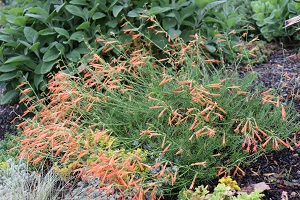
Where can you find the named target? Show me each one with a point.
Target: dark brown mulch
(279, 169)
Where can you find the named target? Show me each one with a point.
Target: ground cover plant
(149, 126)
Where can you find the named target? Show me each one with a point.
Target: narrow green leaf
(15, 59)
(79, 2)
(46, 31)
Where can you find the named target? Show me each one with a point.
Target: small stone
(296, 155)
(293, 194)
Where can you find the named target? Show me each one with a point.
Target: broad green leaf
(168, 22)
(210, 48)
(52, 44)
(84, 25)
(35, 46)
(47, 67)
(75, 10)
(174, 33)
(187, 12)
(8, 76)
(11, 31)
(135, 13)
(6, 38)
(92, 11)
(74, 56)
(39, 11)
(25, 43)
(20, 21)
(8, 96)
(38, 78)
(59, 7)
(15, 59)
(46, 31)
(50, 55)
(30, 34)
(79, 2)
(36, 16)
(62, 31)
(78, 36)
(7, 68)
(98, 15)
(112, 23)
(158, 10)
(116, 10)
(16, 11)
(60, 48)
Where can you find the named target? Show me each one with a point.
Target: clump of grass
(148, 126)
(17, 182)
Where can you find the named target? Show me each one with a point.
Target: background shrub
(39, 35)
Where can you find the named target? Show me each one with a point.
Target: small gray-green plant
(17, 182)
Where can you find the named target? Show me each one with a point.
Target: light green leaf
(158, 10)
(35, 46)
(6, 38)
(20, 21)
(116, 10)
(30, 34)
